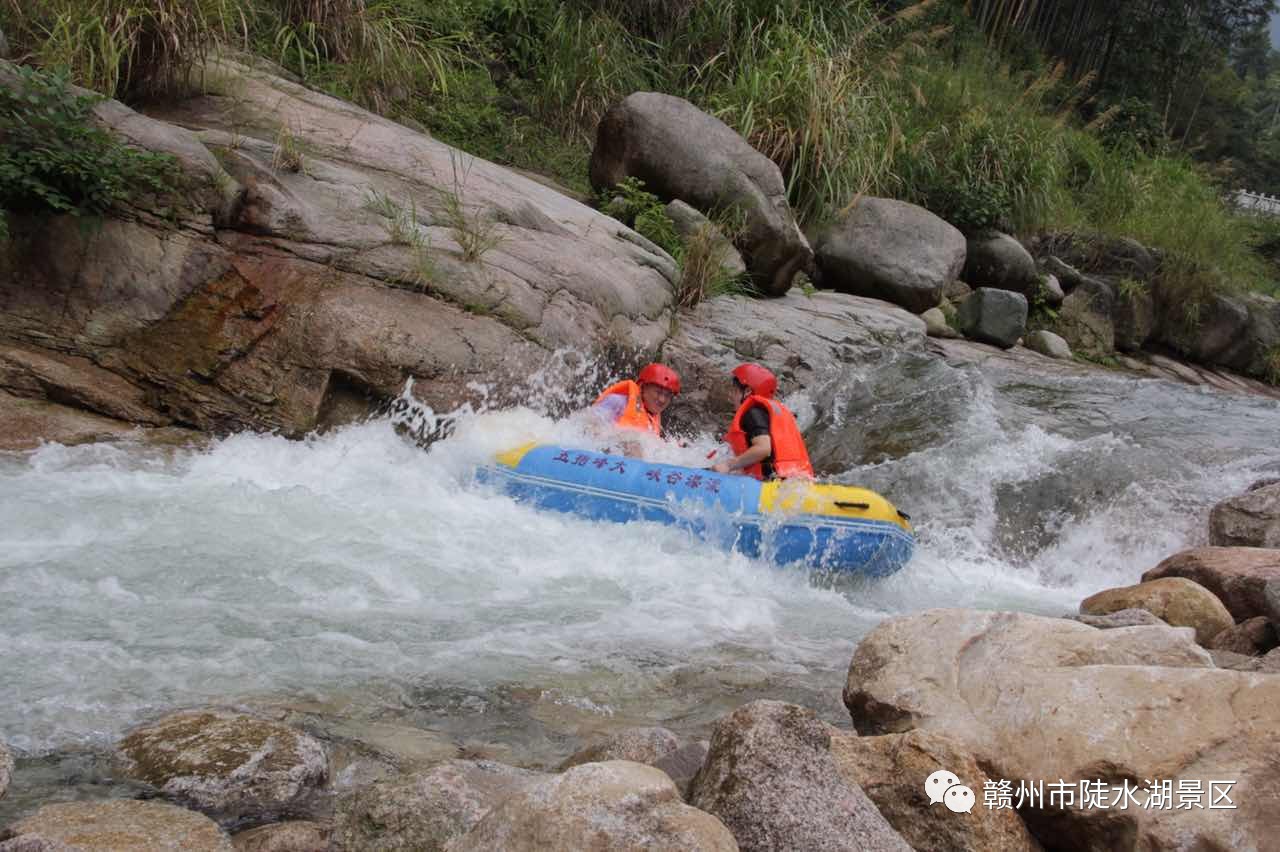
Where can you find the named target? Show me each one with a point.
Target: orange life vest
(789, 456)
(634, 415)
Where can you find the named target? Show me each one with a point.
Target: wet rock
(771, 777)
(935, 323)
(1253, 636)
(992, 316)
(1085, 318)
(891, 770)
(999, 261)
(424, 811)
(115, 826)
(891, 250)
(1176, 601)
(1040, 698)
(679, 151)
(1049, 344)
(616, 805)
(234, 767)
(1251, 519)
(683, 764)
(690, 223)
(1237, 575)
(6, 769)
(639, 745)
(1120, 618)
(295, 836)
(805, 340)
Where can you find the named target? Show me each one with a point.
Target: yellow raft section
(805, 497)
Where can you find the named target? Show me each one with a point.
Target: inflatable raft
(830, 527)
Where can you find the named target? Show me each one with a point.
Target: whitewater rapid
(359, 572)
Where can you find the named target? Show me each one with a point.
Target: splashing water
(355, 571)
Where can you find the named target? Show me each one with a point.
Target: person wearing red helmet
(763, 435)
(638, 405)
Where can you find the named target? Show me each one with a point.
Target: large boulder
(234, 767)
(114, 826)
(1174, 600)
(1214, 334)
(998, 317)
(616, 806)
(1085, 319)
(1251, 519)
(997, 260)
(388, 256)
(891, 250)
(1049, 344)
(1256, 353)
(424, 811)
(679, 151)
(771, 777)
(1042, 700)
(639, 745)
(1238, 576)
(892, 769)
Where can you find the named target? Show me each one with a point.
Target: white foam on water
(358, 564)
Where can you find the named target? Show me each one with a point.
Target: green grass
(845, 99)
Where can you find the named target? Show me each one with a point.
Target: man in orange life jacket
(638, 406)
(764, 437)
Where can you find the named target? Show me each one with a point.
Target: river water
(359, 576)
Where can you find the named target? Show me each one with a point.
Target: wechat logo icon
(944, 786)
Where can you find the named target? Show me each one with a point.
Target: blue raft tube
(835, 528)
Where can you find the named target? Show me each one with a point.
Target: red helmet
(660, 375)
(760, 381)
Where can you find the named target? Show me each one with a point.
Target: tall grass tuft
(125, 48)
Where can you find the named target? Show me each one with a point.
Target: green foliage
(1271, 373)
(700, 256)
(1040, 314)
(124, 47)
(53, 159)
(475, 231)
(630, 203)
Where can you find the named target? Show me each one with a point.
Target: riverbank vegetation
(1133, 128)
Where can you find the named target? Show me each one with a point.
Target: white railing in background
(1254, 202)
